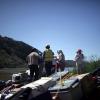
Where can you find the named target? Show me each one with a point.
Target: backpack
(48, 55)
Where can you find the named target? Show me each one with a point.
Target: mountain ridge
(13, 53)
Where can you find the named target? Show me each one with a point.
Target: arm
(43, 56)
(76, 57)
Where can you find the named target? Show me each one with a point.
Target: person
(48, 57)
(54, 64)
(32, 60)
(41, 66)
(61, 60)
(79, 61)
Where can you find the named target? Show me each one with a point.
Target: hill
(13, 53)
(70, 63)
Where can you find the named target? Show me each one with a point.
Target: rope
(68, 75)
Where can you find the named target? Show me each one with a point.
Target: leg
(41, 68)
(77, 68)
(81, 68)
(36, 69)
(31, 71)
(48, 66)
(62, 66)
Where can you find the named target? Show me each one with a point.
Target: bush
(92, 65)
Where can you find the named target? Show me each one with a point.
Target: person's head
(59, 51)
(79, 51)
(47, 46)
(34, 50)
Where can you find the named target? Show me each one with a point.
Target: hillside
(13, 53)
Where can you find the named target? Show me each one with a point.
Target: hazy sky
(64, 24)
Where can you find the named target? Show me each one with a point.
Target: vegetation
(91, 65)
(13, 53)
(70, 63)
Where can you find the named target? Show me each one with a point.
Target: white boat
(38, 87)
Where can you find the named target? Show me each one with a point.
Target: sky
(66, 25)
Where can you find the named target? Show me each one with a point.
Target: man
(32, 60)
(79, 61)
(48, 57)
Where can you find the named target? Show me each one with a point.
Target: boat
(58, 86)
(38, 87)
(73, 88)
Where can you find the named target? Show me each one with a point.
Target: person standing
(41, 66)
(79, 58)
(61, 60)
(32, 60)
(54, 64)
(48, 57)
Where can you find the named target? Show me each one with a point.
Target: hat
(79, 50)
